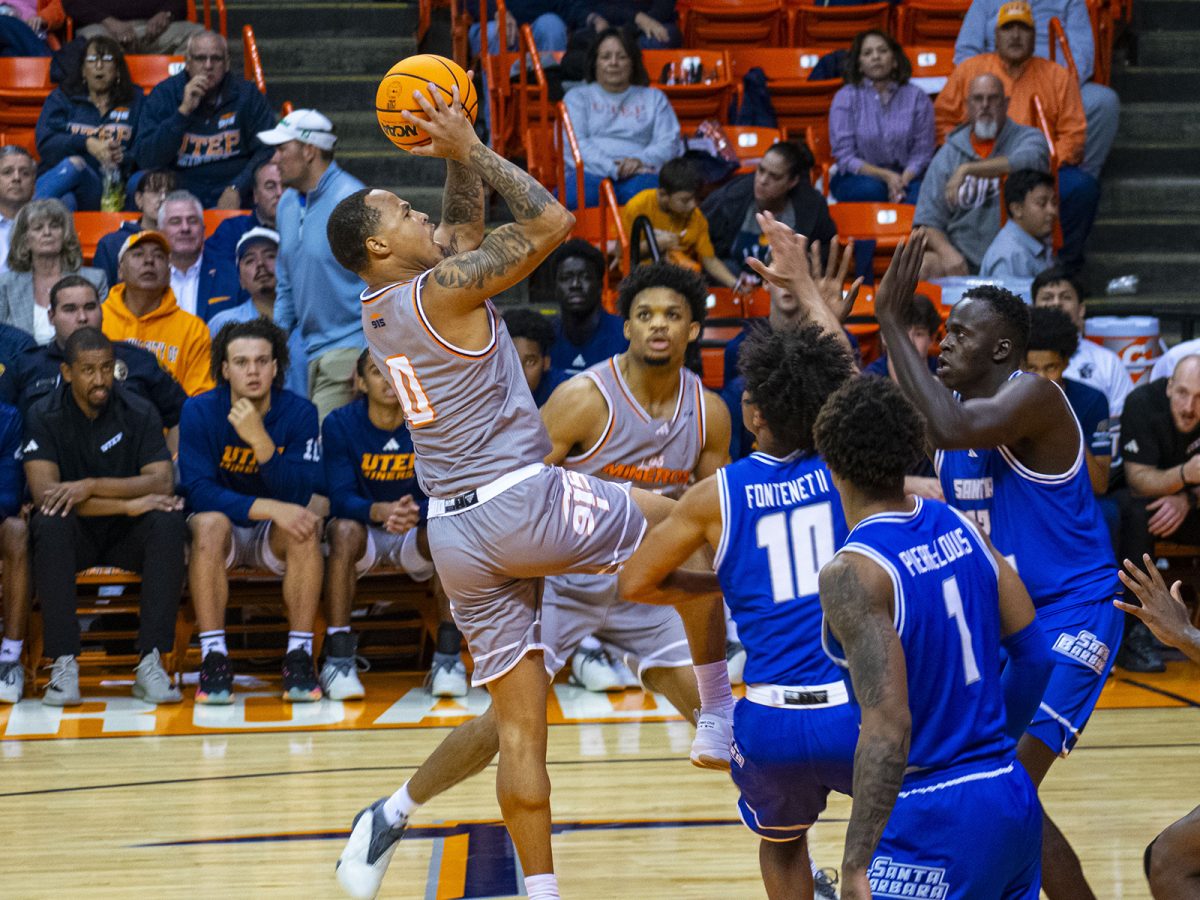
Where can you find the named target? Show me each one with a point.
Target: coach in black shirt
(103, 486)
(36, 372)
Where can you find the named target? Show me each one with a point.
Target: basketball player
(1010, 454)
(921, 604)
(773, 519)
(499, 519)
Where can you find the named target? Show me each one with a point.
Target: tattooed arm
(856, 596)
(461, 228)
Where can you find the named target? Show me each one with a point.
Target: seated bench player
(14, 551)
(378, 518)
(249, 463)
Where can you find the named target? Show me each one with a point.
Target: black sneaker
(216, 680)
(299, 680)
(1139, 651)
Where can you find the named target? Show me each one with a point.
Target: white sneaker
(364, 861)
(63, 689)
(12, 682)
(710, 747)
(151, 682)
(825, 884)
(448, 676)
(593, 670)
(628, 678)
(735, 658)
(339, 674)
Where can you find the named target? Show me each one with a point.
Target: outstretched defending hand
(1163, 611)
(831, 276)
(451, 132)
(895, 293)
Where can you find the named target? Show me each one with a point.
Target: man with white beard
(959, 206)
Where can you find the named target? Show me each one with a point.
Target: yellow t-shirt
(694, 242)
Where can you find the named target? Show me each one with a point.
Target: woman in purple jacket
(880, 126)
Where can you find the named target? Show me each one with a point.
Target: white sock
(338, 629)
(412, 560)
(211, 641)
(10, 650)
(730, 626)
(398, 807)
(589, 643)
(542, 887)
(716, 697)
(300, 640)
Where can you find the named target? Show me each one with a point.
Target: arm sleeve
(995, 264)
(594, 158)
(922, 138)
(12, 474)
(160, 129)
(1071, 127)
(106, 256)
(341, 485)
(294, 474)
(841, 132)
(1025, 677)
(285, 308)
(664, 144)
(1029, 151)
(54, 141)
(199, 470)
(1137, 433)
(950, 108)
(931, 203)
(1079, 35)
(973, 34)
(40, 441)
(195, 375)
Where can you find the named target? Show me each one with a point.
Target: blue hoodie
(313, 290)
(66, 122)
(215, 147)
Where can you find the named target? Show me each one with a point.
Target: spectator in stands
(16, 189)
(14, 552)
(13, 342)
(378, 518)
(923, 324)
(1160, 430)
(1023, 247)
(44, 248)
(880, 125)
(959, 202)
(549, 20)
(221, 246)
(86, 130)
(1101, 105)
(626, 129)
(315, 295)
(139, 26)
(152, 188)
(533, 336)
(75, 304)
(653, 21)
(780, 186)
(257, 252)
(249, 463)
(142, 310)
(201, 286)
(1090, 363)
(1025, 76)
(103, 488)
(22, 29)
(584, 334)
(203, 123)
(680, 229)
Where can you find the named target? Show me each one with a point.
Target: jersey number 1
(798, 544)
(417, 408)
(954, 609)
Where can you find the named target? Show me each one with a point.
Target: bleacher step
(1139, 83)
(1165, 15)
(1169, 48)
(1115, 234)
(1157, 121)
(331, 55)
(327, 19)
(1150, 196)
(1159, 272)
(332, 93)
(1166, 159)
(387, 165)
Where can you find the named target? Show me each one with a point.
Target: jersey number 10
(798, 544)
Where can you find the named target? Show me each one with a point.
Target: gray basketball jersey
(655, 454)
(470, 412)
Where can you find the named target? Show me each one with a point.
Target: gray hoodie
(971, 228)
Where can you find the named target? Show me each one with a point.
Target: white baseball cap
(305, 125)
(254, 235)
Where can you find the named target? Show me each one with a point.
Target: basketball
(428, 73)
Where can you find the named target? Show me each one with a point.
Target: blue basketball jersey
(1049, 527)
(947, 613)
(781, 521)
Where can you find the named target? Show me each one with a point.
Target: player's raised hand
(451, 133)
(1162, 610)
(895, 293)
(830, 277)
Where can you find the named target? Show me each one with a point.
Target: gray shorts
(250, 548)
(383, 549)
(493, 556)
(650, 637)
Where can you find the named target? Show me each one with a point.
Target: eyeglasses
(214, 58)
(93, 58)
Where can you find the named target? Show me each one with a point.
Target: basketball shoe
(364, 860)
(710, 746)
(448, 676)
(12, 682)
(216, 680)
(63, 689)
(339, 674)
(593, 670)
(299, 680)
(151, 682)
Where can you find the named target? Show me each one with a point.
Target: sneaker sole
(221, 698)
(715, 763)
(353, 695)
(140, 694)
(298, 696)
(47, 701)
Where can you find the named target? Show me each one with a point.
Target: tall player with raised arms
(499, 519)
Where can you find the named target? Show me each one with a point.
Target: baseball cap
(253, 236)
(1015, 11)
(133, 240)
(305, 125)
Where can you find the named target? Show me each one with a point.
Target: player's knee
(211, 533)
(347, 538)
(14, 539)
(1168, 862)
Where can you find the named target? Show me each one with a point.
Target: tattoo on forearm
(878, 772)
(462, 200)
(523, 194)
(501, 251)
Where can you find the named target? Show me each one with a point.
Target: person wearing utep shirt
(249, 463)
(203, 123)
(378, 518)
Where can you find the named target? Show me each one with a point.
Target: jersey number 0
(417, 408)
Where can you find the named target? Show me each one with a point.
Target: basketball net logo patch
(1085, 648)
(893, 879)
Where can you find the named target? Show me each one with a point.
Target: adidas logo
(30, 447)
(391, 445)
(663, 429)
(1131, 447)
(580, 362)
(972, 454)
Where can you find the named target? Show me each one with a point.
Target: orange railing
(537, 119)
(253, 62)
(1060, 44)
(1043, 124)
(222, 25)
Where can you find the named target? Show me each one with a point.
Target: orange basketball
(428, 73)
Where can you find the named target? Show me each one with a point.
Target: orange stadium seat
(817, 139)
(21, 137)
(24, 86)
(147, 70)
(91, 226)
(798, 102)
(833, 26)
(750, 143)
(885, 223)
(932, 22)
(693, 103)
(931, 66)
(723, 24)
(214, 217)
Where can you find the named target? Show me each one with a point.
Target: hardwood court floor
(238, 814)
